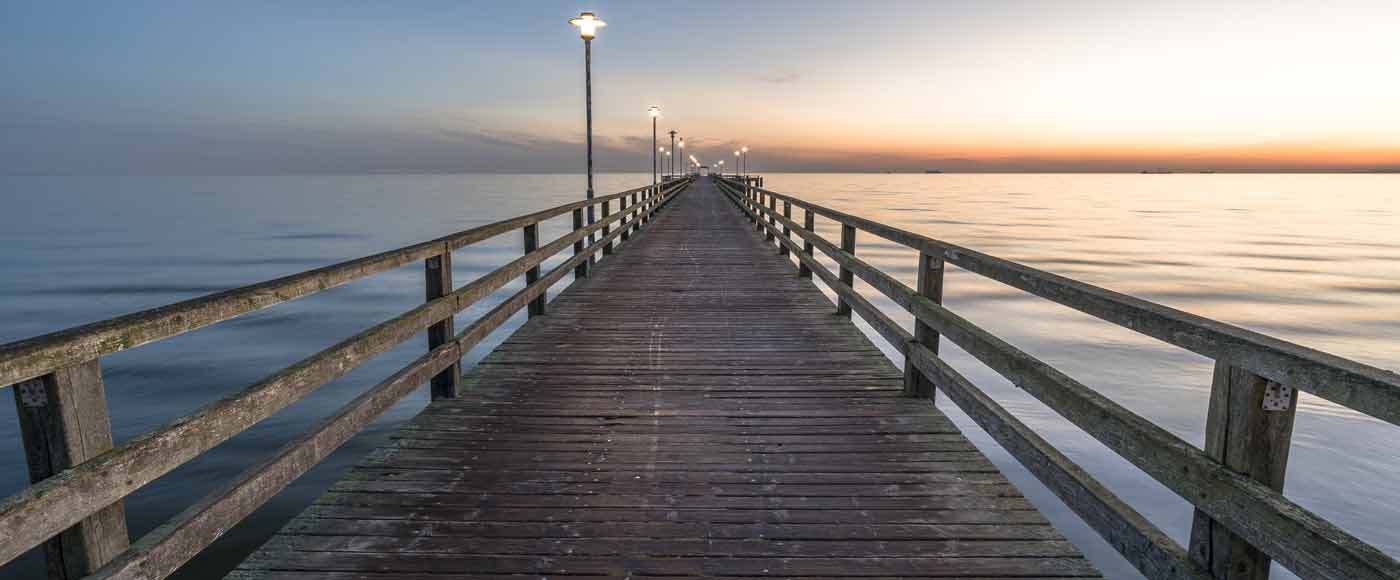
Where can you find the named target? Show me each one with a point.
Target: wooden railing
(74, 508)
(1241, 520)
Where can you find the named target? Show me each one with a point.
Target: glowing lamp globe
(588, 25)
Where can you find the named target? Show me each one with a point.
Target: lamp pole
(655, 112)
(680, 143)
(670, 158)
(745, 150)
(588, 25)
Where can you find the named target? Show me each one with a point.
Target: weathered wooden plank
(1358, 386)
(1300, 539)
(1252, 441)
(33, 357)
(437, 272)
(63, 422)
(164, 550)
(531, 234)
(930, 286)
(56, 503)
(648, 405)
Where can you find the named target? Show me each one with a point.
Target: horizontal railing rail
(1235, 484)
(74, 509)
(36, 356)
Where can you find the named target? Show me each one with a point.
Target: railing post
(1249, 428)
(787, 213)
(809, 223)
(532, 243)
(754, 202)
(581, 270)
(758, 209)
(930, 286)
(772, 209)
(848, 245)
(63, 422)
(607, 210)
(437, 275)
(625, 224)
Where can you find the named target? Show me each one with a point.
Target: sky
(355, 86)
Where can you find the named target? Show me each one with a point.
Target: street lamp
(681, 144)
(655, 112)
(745, 149)
(671, 163)
(588, 25)
(737, 161)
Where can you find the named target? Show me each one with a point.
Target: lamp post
(681, 143)
(737, 161)
(588, 25)
(655, 112)
(745, 150)
(655, 162)
(670, 162)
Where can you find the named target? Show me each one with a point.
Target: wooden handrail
(1364, 388)
(1249, 508)
(52, 505)
(36, 356)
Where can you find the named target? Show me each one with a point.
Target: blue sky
(425, 86)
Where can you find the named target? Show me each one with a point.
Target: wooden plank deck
(693, 409)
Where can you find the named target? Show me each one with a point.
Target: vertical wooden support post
(1249, 427)
(760, 199)
(634, 217)
(581, 270)
(787, 233)
(63, 422)
(532, 243)
(437, 273)
(848, 245)
(624, 224)
(607, 210)
(809, 223)
(930, 286)
(772, 209)
(755, 201)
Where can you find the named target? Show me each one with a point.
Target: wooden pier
(690, 406)
(692, 409)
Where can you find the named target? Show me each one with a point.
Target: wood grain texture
(1301, 540)
(1361, 387)
(63, 422)
(691, 409)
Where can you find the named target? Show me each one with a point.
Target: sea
(1309, 258)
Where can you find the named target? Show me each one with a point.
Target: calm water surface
(1314, 259)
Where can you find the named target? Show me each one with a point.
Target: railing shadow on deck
(1242, 520)
(74, 506)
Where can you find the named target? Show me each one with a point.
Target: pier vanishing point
(691, 405)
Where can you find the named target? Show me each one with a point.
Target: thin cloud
(786, 78)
